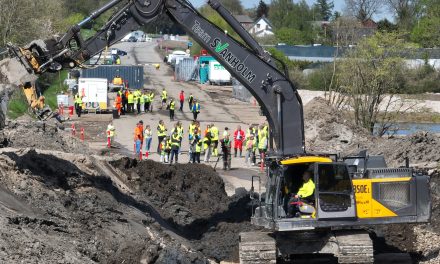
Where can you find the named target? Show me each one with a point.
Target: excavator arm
(247, 62)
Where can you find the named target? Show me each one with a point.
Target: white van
(171, 59)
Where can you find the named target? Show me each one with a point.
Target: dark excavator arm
(250, 64)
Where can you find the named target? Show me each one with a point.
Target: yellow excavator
(350, 192)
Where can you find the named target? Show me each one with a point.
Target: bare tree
(363, 9)
(405, 11)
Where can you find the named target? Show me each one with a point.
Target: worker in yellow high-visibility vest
(164, 97)
(171, 107)
(130, 99)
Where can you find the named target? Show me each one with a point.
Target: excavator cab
(333, 197)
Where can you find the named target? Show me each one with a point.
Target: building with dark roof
(245, 21)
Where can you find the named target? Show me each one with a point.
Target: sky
(339, 6)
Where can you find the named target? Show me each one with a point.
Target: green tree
(426, 30)
(336, 15)
(262, 9)
(234, 6)
(324, 8)
(292, 21)
(24, 20)
(371, 75)
(280, 13)
(292, 36)
(405, 12)
(386, 25)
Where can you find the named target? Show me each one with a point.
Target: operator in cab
(305, 191)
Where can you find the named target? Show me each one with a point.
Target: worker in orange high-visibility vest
(138, 136)
(118, 103)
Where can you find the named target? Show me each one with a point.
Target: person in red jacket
(182, 100)
(239, 137)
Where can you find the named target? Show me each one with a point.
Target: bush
(17, 105)
(319, 79)
(422, 80)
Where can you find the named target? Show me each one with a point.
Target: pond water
(403, 129)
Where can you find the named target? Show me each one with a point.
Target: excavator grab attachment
(25, 57)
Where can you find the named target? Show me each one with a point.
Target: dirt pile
(422, 149)
(192, 198)
(58, 211)
(327, 130)
(185, 193)
(39, 135)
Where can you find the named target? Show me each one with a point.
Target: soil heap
(192, 199)
(40, 135)
(327, 131)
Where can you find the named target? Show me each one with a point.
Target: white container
(63, 99)
(218, 74)
(94, 92)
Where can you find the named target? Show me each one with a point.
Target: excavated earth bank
(58, 207)
(61, 210)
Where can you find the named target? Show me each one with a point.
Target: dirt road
(217, 106)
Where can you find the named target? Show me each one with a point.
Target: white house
(261, 28)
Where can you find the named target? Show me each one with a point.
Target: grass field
(18, 106)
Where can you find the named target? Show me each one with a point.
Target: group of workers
(203, 142)
(134, 101)
(127, 101)
(193, 104)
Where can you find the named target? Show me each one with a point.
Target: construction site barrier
(262, 162)
(61, 109)
(108, 140)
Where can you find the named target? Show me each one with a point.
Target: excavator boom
(247, 62)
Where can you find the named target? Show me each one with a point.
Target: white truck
(175, 56)
(94, 93)
(217, 74)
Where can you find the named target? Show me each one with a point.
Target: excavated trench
(192, 199)
(70, 213)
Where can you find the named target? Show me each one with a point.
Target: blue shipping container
(133, 74)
